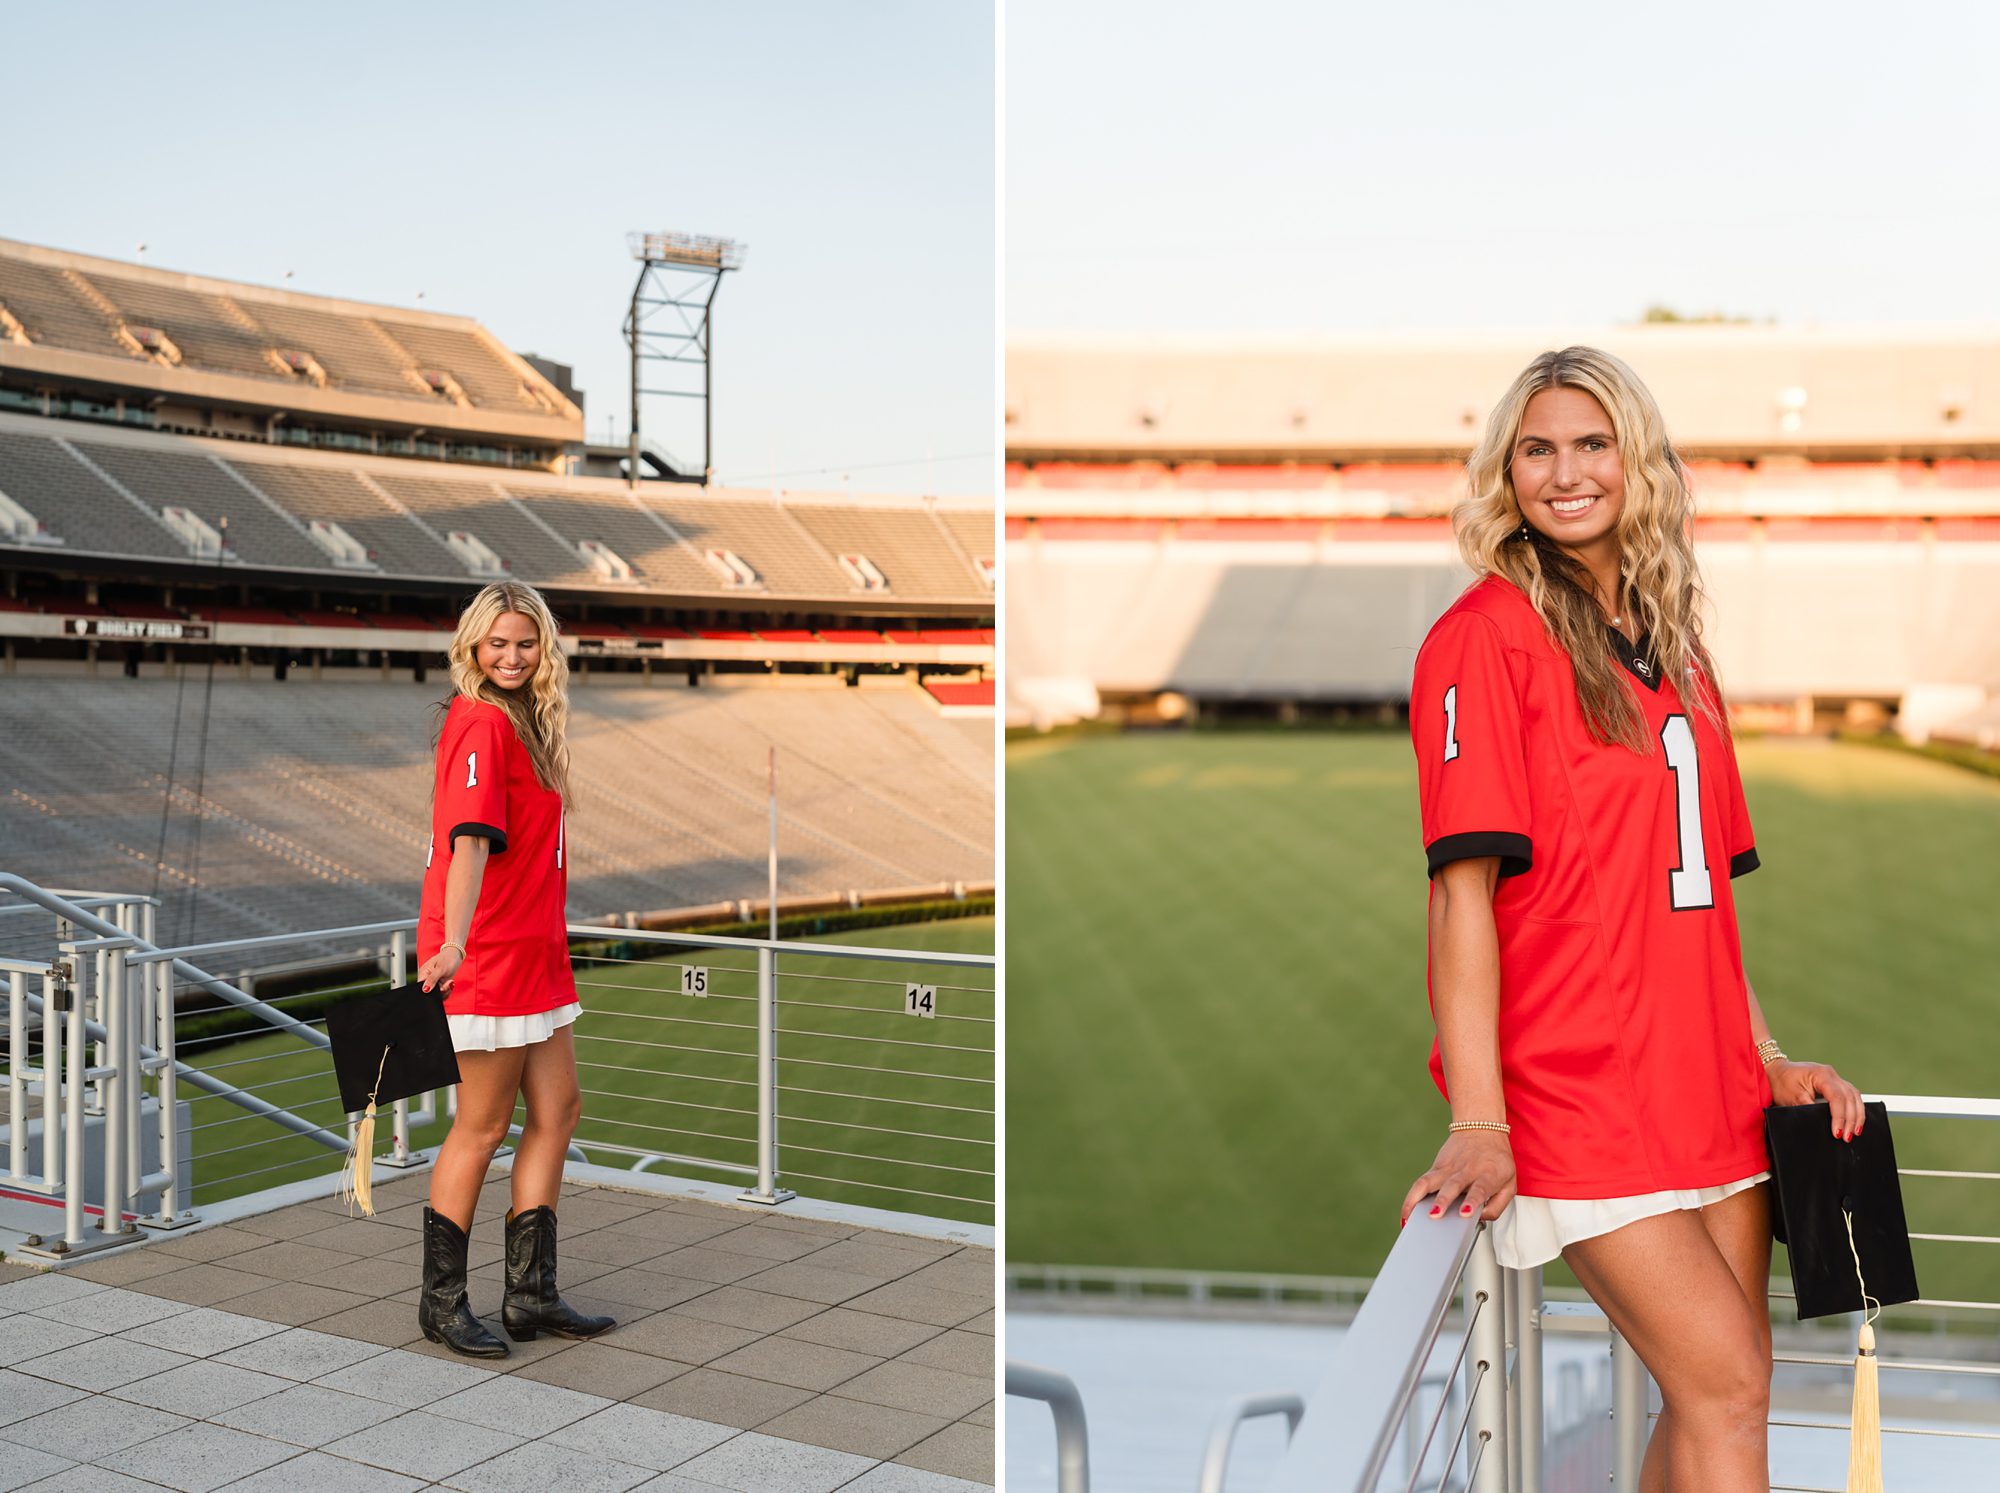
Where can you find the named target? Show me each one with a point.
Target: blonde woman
(491, 936)
(1602, 1051)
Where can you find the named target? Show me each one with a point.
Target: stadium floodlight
(686, 248)
(669, 323)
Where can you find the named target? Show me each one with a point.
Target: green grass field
(1217, 1026)
(875, 1106)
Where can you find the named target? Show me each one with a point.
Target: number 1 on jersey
(1688, 884)
(1451, 723)
(472, 769)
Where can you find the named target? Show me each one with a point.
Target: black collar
(1637, 658)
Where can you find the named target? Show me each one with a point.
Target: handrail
(1222, 1436)
(1059, 1392)
(1349, 1429)
(597, 932)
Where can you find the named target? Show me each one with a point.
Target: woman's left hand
(1807, 1083)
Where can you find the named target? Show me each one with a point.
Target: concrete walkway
(756, 1351)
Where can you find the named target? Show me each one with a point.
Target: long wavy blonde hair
(1658, 582)
(540, 710)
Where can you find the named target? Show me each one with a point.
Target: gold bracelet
(1768, 1052)
(459, 946)
(1499, 1125)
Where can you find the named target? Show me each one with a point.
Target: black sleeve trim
(1515, 852)
(482, 831)
(1740, 865)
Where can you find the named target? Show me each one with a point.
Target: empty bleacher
(309, 492)
(486, 378)
(209, 332)
(354, 353)
(903, 543)
(54, 310)
(75, 504)
(760, 531)
(634, 533)
(314, 798)
(484, 509)
(204, 487)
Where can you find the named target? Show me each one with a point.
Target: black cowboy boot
(532, 1304)
(442, 1311)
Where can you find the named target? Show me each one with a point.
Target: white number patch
(472, 769)
(694, 979)
(920, 1000)
(1451, 723)
(1688, 884)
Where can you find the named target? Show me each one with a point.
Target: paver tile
(202, 1388)
(727, 1399)
(740, 1306)
(101, 1363)
(650, 1438)
(638, 1286)
(918, 1303)
(882, 1262)
(203, 1332)
(960, 1450)
(199, 1457)
(808, 1282)
(23, 1396)
(215, 1243)
(538, 1467)
(674, 1227)
(422, 1445)
(601, 1369)
(369, 1238)
(283, 1223)
(684, 1339)
(23, 1335)
(879, 1431)
(760, 1241)
(87, 1429)
(766, 1464)
(960, 1352)
(893, 1477)
(291, 1259)
(45, 1288)
(524, 1407)
(703, 1262)
(124, 1267)
(911, 1386)
(299, 1353)
(23, 1466)
(610, 1247)
(112, 1309)
(202, 1283)
(316, 1472)
(291, 1301)
(393, 1324)
(376, 1276)
(81, 1479)
(309, 1415)
(411, 1380)
(795, 1362)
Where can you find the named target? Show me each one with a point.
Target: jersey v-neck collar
(1637, 657)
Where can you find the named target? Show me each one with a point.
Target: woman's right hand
(441, 967)
(1479, 1164)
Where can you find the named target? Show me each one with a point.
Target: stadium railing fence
(693, 1051)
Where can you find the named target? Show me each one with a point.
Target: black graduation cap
(1822, 1182)
(399, 1034)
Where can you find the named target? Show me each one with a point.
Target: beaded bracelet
(1768, 1052)
(1499, 1125)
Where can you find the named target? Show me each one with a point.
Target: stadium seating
(75, 504)
(613, 518)
(485, 509)
(205, 487)
(315, 796)
(54, 309)
(903, 544)
(485, 376)
(781, 552)
(310, 492)
(209, 331)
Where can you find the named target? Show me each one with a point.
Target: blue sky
(1308, 168)
(494, 156)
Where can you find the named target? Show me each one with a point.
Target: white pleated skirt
(490, 1033)
(1532, 1231)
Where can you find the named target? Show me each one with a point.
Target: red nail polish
(1466, 1209)
(1437, 1213)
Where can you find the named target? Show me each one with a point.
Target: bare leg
(548, 1080)
(1700, 1340)
(1741, 1228)
(487, 1084)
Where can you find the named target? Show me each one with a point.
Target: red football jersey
(1624, 1027)
(517, 954)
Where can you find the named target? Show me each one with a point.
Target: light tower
(670, 322)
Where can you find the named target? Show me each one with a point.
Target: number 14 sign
(920, 1000)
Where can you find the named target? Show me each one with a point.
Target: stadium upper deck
(1732, 393)
(173, 351)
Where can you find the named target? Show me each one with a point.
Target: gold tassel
(357, 1174)
(1864, 1437)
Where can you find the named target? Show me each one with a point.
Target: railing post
(116, 1086)
(1527, 1398)
(1059, 1393)
(52, 1061)
(767, 1189)
(72, 1107)
(169, 1212)
(1629, 1421)
(17, 1077)
(399, 1154)
(1488, 1422)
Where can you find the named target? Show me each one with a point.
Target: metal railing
(1494, 1433)
(690, 1050)
(1059, 1392)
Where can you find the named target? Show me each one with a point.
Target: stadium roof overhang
(1729, 392)
(145, 383)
